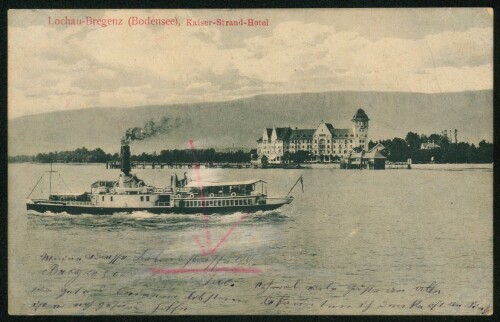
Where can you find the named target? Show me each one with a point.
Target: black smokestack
(125, 153)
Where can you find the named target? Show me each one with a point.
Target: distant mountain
(241, 122)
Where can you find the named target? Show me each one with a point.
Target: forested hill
(240, 123)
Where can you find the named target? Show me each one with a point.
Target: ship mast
(50, 179)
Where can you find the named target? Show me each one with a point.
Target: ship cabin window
(142, 198)
(211, 203)
(147, 198)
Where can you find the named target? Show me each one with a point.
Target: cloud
(55, 68)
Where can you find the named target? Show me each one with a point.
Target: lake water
(414, 241)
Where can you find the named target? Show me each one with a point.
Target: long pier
(398, 165)
(227, 165)
(180, 165)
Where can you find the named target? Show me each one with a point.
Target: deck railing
(78, 203)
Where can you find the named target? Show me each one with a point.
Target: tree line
(80, 155)
(396, 150)
(83, 155)
(400, 150)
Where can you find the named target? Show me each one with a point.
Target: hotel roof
(302, 134)
(343, 133)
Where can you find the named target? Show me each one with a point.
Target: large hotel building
(325, 143)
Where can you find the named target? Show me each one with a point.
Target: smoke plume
(151, 129)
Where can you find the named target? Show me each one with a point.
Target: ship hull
(75, 209)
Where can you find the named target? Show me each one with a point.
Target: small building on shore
(372, 160)
(429, 146)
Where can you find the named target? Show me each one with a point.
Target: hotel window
(351, 141)
(147, 198)
(102, 198)
(111, 198)
(142, 198)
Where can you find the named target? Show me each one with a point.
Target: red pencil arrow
(208, 249)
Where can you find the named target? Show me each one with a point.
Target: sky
(61, 67)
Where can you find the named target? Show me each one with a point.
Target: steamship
(130, 194)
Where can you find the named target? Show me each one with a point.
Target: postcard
(250, 162)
